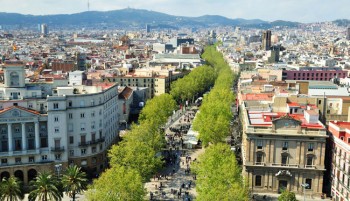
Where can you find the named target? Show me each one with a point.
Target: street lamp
(58, 168)
(304, 187)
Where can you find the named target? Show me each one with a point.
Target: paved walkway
(167, 184)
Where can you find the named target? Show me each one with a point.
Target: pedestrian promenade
(175, 181)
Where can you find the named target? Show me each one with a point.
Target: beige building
(283, 150)
(157, 79)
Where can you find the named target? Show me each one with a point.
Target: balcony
(97, 141)
(285, 165)
(259, 163)
(102, 139)
(310, 166)
(83, 144)
(57, 149)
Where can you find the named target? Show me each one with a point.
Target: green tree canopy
(11, 189)
(45, 187)
(287, 196)
(74, 181)
(219, 176)
(136, 155)
(213, 121)
(117, 183)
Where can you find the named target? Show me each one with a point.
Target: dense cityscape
(150, 111)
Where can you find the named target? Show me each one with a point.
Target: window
(70, 115)
(310, 147)
(348, 139)
(92, 114)
(93, 125)
(82, 103)
(82, 115)
(31, 159)
(259, 144)
(30, 105)
(57, 156)
(17, 129)
(70, 104)
(319, 102)
(82, 126)
(284, 159)
(309, 161)
(57, 129)
(259, 158)
(285, 146)
(44, 157)
(3, 161)
(94, 159)
(257, 180)
(83, 151)
(56, 119)
(93, 149)
(18, 160)
(70, 127)
(71, 139)
(309, 182)
(71, 152)
(55, 106)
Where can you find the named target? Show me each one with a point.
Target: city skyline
(269, 10)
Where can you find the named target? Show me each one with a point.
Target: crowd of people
(176, 159)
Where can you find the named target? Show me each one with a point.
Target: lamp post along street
(304, 187)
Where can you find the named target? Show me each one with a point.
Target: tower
(148, 28)
(44, 29)
(348, 33)
(266, 40)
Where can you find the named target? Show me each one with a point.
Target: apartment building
(74, 124)
(340, 168)
(157, 79)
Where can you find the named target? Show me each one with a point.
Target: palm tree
(45, 187)
(74, 181)
(11, 189)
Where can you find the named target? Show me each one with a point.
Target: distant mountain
(342, 22)
(133, 18)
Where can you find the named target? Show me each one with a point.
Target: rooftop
(266, 118)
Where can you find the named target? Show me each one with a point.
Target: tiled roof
(21, 108)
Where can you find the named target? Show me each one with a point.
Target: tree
(74, 181)
(219, 176)
(11, 189)
(117, 183)
(135, 155)
(287, 196)
(44, 188)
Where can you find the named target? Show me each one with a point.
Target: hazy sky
(294, 10)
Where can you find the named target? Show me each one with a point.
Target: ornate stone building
(283, 151)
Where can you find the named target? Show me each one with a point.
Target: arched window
(14, 79)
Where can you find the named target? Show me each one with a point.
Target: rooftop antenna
(88, 5)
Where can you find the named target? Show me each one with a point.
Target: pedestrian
(178, 195)
(151, 195)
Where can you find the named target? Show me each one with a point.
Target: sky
(270, 10)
